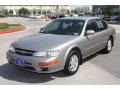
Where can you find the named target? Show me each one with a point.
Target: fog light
(48, 64)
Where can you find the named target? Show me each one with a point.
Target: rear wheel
(72, 63)
(108, 47)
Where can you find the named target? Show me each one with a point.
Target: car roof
(79, 18)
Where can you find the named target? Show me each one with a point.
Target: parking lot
(97, 69)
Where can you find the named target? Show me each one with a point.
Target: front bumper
(31, 63)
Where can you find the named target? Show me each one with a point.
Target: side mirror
(90, 32)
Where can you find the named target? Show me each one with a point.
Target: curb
(12, 31)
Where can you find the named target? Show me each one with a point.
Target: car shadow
(89, 58)
(93, 56)
(9, 72)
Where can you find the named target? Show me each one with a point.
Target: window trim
(93, 20)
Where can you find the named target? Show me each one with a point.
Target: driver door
(91, 41)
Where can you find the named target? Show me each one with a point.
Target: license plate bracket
(20, 62)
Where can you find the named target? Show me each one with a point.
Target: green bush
(4, 25)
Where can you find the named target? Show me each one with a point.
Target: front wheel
(72, 63)
(108, 47)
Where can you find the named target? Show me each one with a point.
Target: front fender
(68, 51)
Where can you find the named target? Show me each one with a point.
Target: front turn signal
(48, 64)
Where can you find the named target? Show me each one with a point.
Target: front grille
(24, 52)
(26, 68)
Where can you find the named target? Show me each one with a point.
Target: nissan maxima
(62, 45)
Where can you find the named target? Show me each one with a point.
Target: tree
(80, 10)
(72, 11)
(48, 11)
(39, 11)
(34, 11)
(108, 10)
(4, 12)
(68, 12)
(24, 11)
(10, 12)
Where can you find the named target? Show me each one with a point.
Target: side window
(101, 25)
(91, 25)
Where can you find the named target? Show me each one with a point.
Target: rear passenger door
(102, 30)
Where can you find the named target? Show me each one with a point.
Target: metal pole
(57, 8)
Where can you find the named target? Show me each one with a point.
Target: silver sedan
(62, 45)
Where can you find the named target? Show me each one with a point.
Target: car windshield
(64, 27)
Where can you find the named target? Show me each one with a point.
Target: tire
(108, 47)
(72, 63)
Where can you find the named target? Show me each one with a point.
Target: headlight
(12, 49)
(47, 54)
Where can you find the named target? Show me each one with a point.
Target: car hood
(42, 42)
